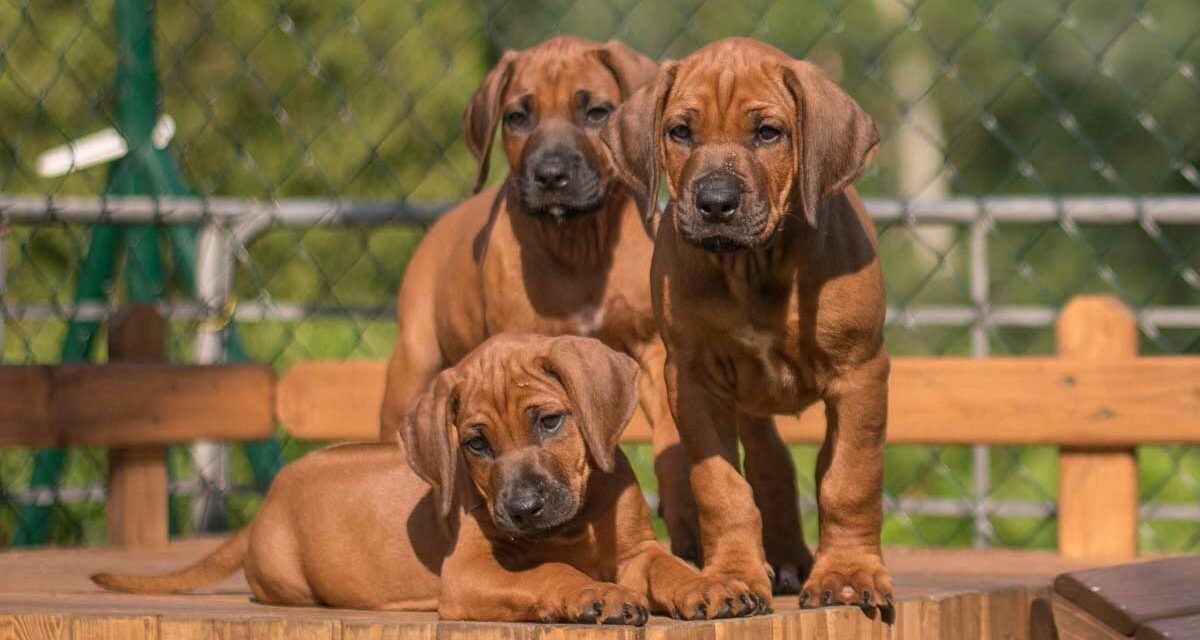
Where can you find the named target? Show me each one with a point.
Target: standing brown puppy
(558, 248)
(769, 297)
(515, 504)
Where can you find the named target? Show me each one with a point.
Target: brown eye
(767, 134)
(478, 445)
(680, 133)
(598, 114)
(552, 422)
(516, 119)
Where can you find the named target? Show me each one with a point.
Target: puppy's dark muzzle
(559, 180)
(533, 506)
(719, 217)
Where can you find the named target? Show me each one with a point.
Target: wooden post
(1097, 487)
(137, 476)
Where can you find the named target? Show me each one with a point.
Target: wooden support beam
(137, 475)
(1098, 485)
(1114, 402)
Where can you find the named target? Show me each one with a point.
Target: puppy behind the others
(514, 504)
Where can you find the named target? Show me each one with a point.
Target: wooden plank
(382, 630)
(186, 629)
(1097, 487)
(101, 627)
(1185, 628)
(137, 497)
(958, 616)
(1007, 613)
(24, 403)
(137, 476)
(1116, 402)
(1041, 619)
(332, 400)
(134, 404)
(1126, 596)
(1073, 623)
(33, 627)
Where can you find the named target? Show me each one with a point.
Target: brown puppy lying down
(515, 504)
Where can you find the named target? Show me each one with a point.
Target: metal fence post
(213, 278)
(981, 454)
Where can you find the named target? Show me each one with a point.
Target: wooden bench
(1096, 400)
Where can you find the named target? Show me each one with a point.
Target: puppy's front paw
(711, 597)
(849, 577)
(606, 603)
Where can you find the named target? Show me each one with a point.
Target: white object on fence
(103, 146)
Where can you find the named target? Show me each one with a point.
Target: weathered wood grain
(1098, 486)
(1116, 402)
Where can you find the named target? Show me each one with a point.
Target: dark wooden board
(1184, 628)
(1126, 596)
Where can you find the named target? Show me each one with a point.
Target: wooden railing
(1096, 400)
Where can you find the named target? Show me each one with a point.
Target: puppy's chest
(772, 372)
(758, 351)
(583, 550)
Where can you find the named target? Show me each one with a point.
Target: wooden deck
(948, 594)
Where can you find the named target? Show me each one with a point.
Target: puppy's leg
(416, 359)
(772, 474)
(676, 505)
(673, 587)
(477, 586)
(849, 566)
(730, 525)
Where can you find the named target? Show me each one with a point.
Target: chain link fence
(1032, 150)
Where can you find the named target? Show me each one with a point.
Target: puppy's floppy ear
(600, 383)
(629, 67)
(431, 441)
(483, 114)
(835, 136)
(632, 135)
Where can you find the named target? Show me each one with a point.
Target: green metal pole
(137, 112)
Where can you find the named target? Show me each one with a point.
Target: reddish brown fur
(356, 526)
(793, 315)
(489, 266)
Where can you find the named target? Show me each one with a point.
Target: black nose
(524, 503)
(718, 196)
(552, 172)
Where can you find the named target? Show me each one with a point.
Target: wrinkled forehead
(729, 83)
(562, 79)
(499, 386)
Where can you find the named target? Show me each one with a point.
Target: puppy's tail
(222, 562)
